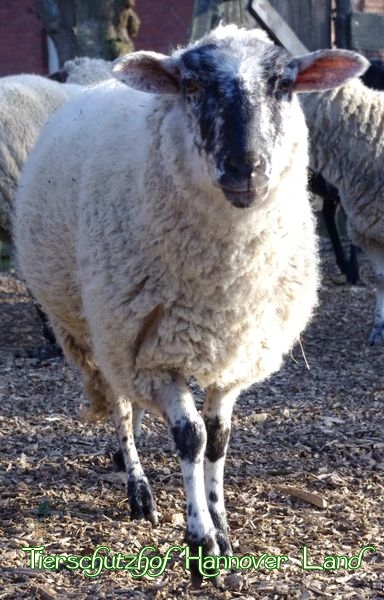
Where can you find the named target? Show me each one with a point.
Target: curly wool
(347, 146)
(26, 104)
(143, 268)
(87, 71)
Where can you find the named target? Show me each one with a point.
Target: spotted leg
(103, 400)
(376, 256)
(137, 419)
(217, 414)
(139, 492)
(176, 403)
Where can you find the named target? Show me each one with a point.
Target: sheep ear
(326, 69)
(148, 72)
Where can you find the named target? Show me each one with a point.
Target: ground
(305, 471)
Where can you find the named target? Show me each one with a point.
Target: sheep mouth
(243, 198)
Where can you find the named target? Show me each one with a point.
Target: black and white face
(237, 106)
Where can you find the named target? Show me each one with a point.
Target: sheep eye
(285, 86)
(191, 86)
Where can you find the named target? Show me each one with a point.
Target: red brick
(164, 25)
(22, 38)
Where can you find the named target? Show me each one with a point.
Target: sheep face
(235, 92)
(235, 131)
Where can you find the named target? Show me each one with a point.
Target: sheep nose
(239, 166)
(243, 171)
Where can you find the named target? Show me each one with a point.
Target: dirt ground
(304, 475)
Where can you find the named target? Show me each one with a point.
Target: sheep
(373, 78)
(26, 104)
(36, 98)
(84, 71)
(347, 147)
(177, 242)
(331, 202)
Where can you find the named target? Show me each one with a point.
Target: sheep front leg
(139, 492)
(217, 413)
(176, 403)
(376, 256)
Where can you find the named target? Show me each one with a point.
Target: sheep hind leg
(217, 412)
(103, 402)
(137, 419)
(175, 402)
(139, 491)
(376, 256)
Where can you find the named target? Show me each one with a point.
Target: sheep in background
(331, 203)
(347, 147)
(177, 241)
(372, 78)
(26, 104)
(84, 71)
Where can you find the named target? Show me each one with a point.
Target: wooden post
(342, 24)
(209, 13)
(278, 29)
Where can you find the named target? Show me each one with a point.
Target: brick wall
(22, 39)
(164, 25)
(374, 6)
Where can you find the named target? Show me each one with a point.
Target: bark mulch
(305, 470)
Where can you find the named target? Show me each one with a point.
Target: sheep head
(238, 90)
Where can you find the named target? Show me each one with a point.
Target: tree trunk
(95, 28)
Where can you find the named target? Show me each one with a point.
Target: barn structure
(166, 23)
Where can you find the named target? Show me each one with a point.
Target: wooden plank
(367, 31)
(342, 23)
(310, 20)
(274, 24)
(202, 18)
(209, 13)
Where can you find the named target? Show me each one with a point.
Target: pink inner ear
(327, 72)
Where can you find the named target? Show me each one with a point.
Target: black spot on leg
(189, 439)
(213, 497)
(217, 438)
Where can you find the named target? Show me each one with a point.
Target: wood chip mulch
(305, 470)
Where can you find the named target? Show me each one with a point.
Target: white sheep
(346, 128)
(166, 231)
(26, 104)
(84, 71)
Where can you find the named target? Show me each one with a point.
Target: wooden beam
(342, 23)
(367, 31)
(209, 13)
(278, 29)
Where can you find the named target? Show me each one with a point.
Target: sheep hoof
(224, 544)
(208, 548)
(141, 500)
(377, 335)
(197, 579)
